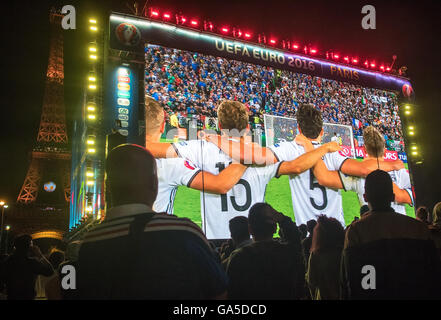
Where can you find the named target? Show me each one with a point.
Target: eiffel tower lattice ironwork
(47, 182)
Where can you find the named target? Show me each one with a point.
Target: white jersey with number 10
(220, 208)
(310, 199)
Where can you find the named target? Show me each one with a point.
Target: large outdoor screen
(193, 85)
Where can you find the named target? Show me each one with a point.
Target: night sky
(409, 29)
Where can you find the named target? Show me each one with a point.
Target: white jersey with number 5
(172, 173)
(220, 208)
(309, 199)
(400, 177)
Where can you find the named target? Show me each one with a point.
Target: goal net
(280, 129)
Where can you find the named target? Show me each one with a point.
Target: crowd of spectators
(192, 84)
(136, 253)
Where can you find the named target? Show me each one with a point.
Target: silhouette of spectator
(136, 253)
(268, 269)
(306, 243)
(54, 290)
(303, 231)
(422, 214)
(435, 227)
(56, 257)
(3, 259)
(240, 237)
(22, 268)
(323, 275)
(364, 209)
(389, 252)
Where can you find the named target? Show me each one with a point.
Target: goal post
(280, 129)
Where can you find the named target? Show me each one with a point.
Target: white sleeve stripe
(171, 201)
(411, 197)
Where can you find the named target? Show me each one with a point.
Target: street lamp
(7, 228)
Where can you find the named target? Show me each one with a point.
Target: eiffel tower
(43, 201)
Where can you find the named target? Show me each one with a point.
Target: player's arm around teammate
(252, 153)
(155, 125)
(332, 179)
(221, 183)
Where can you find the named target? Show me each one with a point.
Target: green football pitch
(278, 195)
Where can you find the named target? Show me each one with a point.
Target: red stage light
(208, 26)
(382, 68)
(372, 64)
(366, 63)
(346, 59)
(313, 51)
(273, 41)
(354, 60)
(166, 16)
(247, 35)
(183, 19)
(387, 68)
(154, 13)
(194, 23)
(225, 30)
(336, 56)
(295, 46)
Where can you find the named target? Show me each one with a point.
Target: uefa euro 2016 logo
(128, 34)
(49, 186)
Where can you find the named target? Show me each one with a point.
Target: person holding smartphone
(22, 268)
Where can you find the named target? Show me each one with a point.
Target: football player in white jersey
(310, 198)
(179, 171)
(374, 144)
(216, 209)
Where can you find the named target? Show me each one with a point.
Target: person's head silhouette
(261, 221)
(379, 190)
(131, 175)
(239, 229)
(22, 244)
